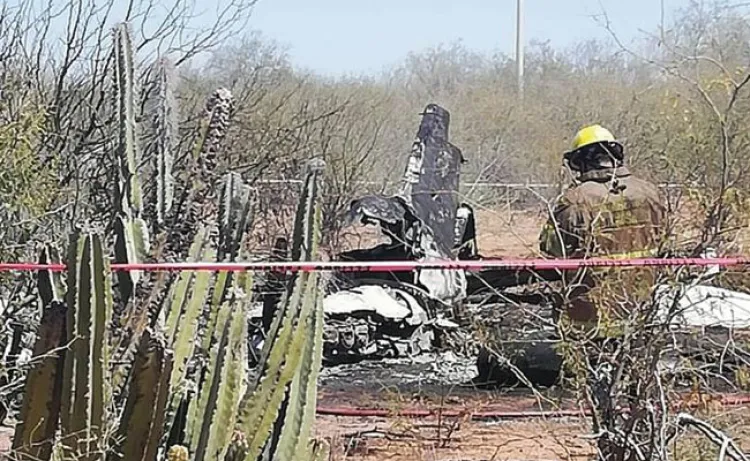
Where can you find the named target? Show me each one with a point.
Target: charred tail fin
(432, 175)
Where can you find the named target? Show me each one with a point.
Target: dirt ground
(448, 433)
(436, 438)
(432, 414)
(502, 234)
(400, 439)
(426, 415)
(499, 234)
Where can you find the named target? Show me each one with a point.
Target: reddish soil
(499, 234)
(449, 437)
(503, 234)
(451, 433)
(370, 439)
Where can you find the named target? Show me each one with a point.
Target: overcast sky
(360, 36)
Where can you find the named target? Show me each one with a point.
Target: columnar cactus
(125, 95)
(142, 422)
(84, 387)
(291, 357)
(34, 437)
(132, 237)
(163, 141)
(198, 333)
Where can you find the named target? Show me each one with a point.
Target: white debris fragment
(704, 306)
(373, 298)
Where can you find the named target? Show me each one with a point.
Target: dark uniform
(607, 213)
(610, 213)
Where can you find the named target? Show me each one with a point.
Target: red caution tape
(401, 266)
(725, 400)
(446, 413)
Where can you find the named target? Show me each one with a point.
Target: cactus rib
(166, 139)
(33, 439)
(215, 336)
(303, 396)
(180, 292)
(125, 108)
(225, 389)
(84, 387)
(141, 425)
(185, 337)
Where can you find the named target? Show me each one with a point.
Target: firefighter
(607, 212)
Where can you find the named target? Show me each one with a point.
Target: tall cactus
(235, 214)
(275, 415)
(201, 334)
(184, 339)
(196, 204)
(51, 288)
(132, 237)
(84, 387)
(164, 140)
(125, 112)
(218, 111)
(235, 220)
(291, 354)
(199, 295)
(214, 343)
(185, 301)
(300, 409)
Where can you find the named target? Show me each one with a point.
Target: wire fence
(477, 185)
(508, 195)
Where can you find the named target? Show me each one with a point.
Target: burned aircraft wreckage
(378, 315)
(372, 315)
(381, 315)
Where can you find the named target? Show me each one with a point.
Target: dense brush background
(677, 98)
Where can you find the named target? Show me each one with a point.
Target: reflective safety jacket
(609, 214)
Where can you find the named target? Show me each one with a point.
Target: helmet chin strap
(573, 174)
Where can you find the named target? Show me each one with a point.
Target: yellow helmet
(592, 134)
(588, 136)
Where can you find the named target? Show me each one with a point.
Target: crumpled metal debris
(374, 320)
(704, 306)
(377, 315)
(386, 302)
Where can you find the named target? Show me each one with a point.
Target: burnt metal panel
(377, 208)
(432, 177)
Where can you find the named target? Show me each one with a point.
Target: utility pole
(519, 46)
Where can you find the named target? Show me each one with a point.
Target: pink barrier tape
(400, 266)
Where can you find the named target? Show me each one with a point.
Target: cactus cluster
(185, 390)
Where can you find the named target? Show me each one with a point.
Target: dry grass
(370, 439)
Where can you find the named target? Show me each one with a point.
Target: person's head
(594, 148)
